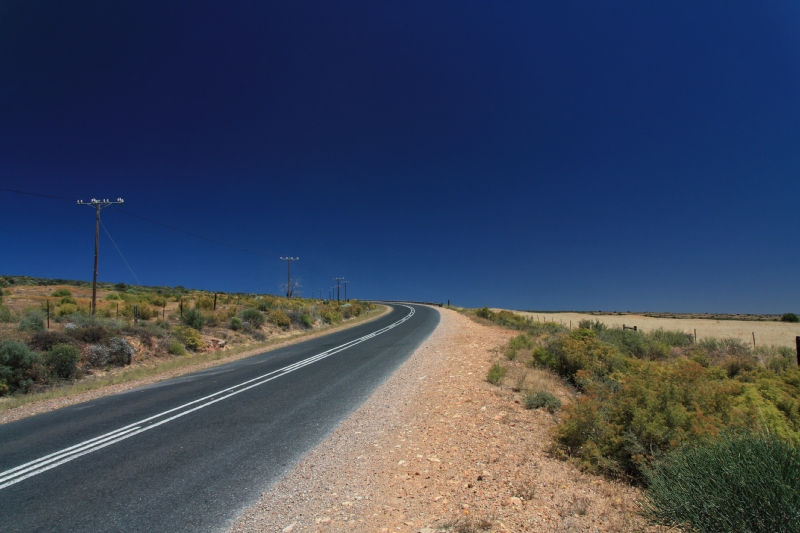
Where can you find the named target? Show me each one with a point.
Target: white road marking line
(32, 468)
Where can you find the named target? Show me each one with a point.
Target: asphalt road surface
(188, 454)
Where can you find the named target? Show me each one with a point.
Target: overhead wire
(120, 253)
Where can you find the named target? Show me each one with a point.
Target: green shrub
(66, 310)
(113, 296)
(176, 348)
(193, 318)
(306, 320)
(17, 366)
(205, 302)
(190, 337)
(581, 350)
(542, 357)
(146, 312)
(252, 317)
(279, 318)
(68, 300)
(62, 359)
(62, 293)
(32, 321)
(790, 317)
(521, 342)
(236, 323)
(91, 334)
(120, 353)
(5, 315)
(44, 340)
(496, 373)
(625, 422)
(539, 399)
(485, 312)
(331, 317)
(746, 483)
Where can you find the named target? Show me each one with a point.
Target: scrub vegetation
(49, 338)
(659, 410)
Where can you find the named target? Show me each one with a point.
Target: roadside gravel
(437, 448)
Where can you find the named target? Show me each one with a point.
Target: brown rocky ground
(437, 448)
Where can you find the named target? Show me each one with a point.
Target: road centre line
(47, 462)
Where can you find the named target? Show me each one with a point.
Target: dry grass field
(767, 333)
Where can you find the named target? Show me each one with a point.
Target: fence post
(48, 313)
(215, 301)
(797, 341)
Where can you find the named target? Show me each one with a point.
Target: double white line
(22, 472)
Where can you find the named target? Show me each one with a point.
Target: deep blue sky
(537, 155)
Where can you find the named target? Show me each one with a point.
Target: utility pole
(321, 297)
(345, 290)
(98, 205)
(337, 280)
(289, 274)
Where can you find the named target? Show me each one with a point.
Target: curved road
(188, 454)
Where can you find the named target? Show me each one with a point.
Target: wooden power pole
(98, 205)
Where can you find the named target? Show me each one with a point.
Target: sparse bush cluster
(171, 320)
(641, 396)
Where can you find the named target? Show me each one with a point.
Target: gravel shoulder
(437, 448)
(50, 404)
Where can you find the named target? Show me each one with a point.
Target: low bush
(62, 359)
(306, 320)
(542, 399)
(91, 334)
(521, 342)
(146, 312)
(17, 366)
(205, 302)
(120, 352)
(236, 323)
(331, 317)
(496, 373)
(790, 317)
(746, 483)
(485, 312)
(252, 317)
(279, 318)
(190, 337)
(176, 348)
(32, 321)
(62, 293)
(66, 310)
(624, 423)
(5, 315)
(193, 318)
(44, 340)
(113, 296)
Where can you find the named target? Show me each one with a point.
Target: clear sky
(531, 155)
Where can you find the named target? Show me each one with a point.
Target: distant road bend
(187, 454)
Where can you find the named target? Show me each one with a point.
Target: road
(188, 454)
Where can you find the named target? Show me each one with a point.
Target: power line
(189, 233)
(120, 254)
(34, 194)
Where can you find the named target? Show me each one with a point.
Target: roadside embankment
(129, 378)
